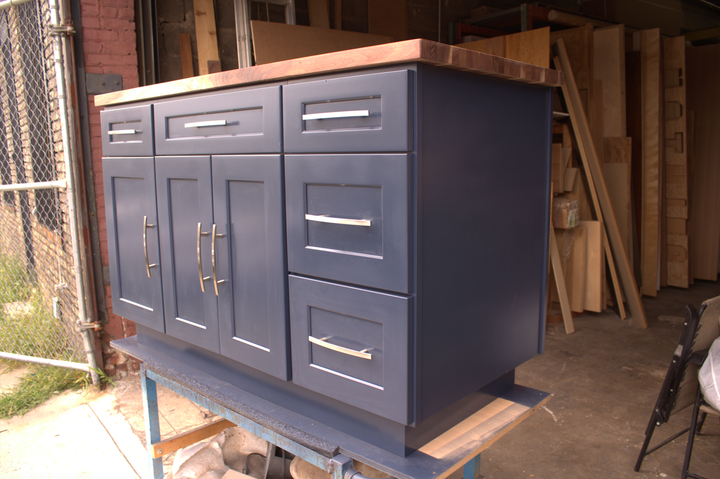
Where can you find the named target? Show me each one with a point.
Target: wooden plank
(492, 46)
(601, 198)
(388, 18)
(652, 174)
(575, 269)
(676, 174)
(319, 13)
(532, 46)
(558, 166)
(274, 42)
(168, 446)
(560, 284)
(595, 118)
(618, 170)
(703, 98)
(609, 67)
(690, 158)
(186, 55)
(594, 266)
(206, 37)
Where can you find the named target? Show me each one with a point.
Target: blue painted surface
(152, 424)
(471, 469)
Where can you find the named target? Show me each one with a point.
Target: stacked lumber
(642, 163)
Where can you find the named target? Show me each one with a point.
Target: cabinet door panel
(247, 194)
(129, 199)
(184, 201)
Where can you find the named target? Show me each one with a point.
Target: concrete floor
(604, 379)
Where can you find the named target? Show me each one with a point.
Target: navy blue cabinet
(368, 248)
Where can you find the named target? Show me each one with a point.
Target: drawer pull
(329, 115)
(350, 352)
(147, 263)
(214, 262)
(200, 233)
(123, 132)
(203, 124)
(338, 221)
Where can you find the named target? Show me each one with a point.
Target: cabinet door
(185, 218)
(248, 207)
(133, 240)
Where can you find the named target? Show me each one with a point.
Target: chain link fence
(38, 299)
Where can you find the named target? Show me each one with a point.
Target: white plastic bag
(709, 376)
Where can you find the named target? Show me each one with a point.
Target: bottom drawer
(352, 345)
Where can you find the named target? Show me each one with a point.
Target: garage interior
(647, 75)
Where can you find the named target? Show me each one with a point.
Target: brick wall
(109, 45)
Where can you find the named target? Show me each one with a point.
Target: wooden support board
(206, 37)
(274, 42)
(168, 446)
(676, 173)
(650, 58)
(703, 98)
(560, 283)
(600, 196)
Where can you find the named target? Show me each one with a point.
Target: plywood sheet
(579, 47)
(609, 67)
(388, 18)
(274, 42)
(492, 46)
(319, 13)
(703, 98)
(594, 266)
(206, 37)
(532, 46)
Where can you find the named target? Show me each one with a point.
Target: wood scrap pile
(634, 163)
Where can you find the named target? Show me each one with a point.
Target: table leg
(471, 469)
(152, 424)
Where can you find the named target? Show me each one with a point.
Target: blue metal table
(325, 447)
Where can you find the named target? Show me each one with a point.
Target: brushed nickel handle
(200, 233)
(334, 347)
(338, 221)
(328, 115)
(205, 124)
(216, 282)
(123, 132)
(147, 263)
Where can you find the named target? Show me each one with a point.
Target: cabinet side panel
(484, 225)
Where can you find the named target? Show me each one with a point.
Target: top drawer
(127, 131)
(352, 114)
(246, 121)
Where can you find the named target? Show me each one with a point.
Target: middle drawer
(348, 218)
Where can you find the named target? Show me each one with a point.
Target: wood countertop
(418, 50)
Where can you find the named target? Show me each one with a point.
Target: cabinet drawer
(352, 345)
(348, 218)
(246, 121)
(360, 113)
(127, 131)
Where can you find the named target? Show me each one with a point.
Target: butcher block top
(417, 50)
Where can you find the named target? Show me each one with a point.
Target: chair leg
(648, 435)
(701, 421)
(691, 437)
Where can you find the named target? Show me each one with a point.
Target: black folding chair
(680, 388)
